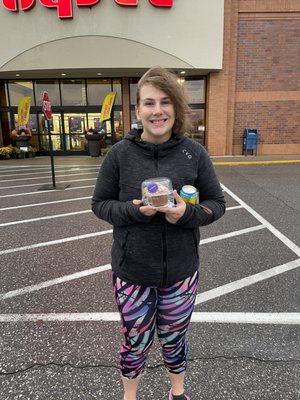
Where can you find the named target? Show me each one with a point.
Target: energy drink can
(189, 194)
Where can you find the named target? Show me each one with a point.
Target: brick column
(221, 89)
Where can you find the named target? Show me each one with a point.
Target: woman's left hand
(173, 214)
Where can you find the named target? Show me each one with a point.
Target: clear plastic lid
(158, 192)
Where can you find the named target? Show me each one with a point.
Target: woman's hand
(173, 214)
(146, 210)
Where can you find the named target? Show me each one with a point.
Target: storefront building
(237, 59)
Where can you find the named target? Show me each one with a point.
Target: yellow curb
(262, 162)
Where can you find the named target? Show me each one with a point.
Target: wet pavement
(59, 329)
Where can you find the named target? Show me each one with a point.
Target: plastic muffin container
(158, 192)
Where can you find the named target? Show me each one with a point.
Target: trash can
(21, 141)
(250, 141)
(94, 143)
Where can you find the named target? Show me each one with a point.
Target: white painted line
(47, 172)
(245, 282)
(47, 176)
(200, 298)
(291, 245)
(231, 234)
(208, 317)
(247, 318)
(89, 235)
(44, 191)
(233, 208)
(53, 242)
(45, 203)
(43, 166)
(52, 282)
(47, 183)
(25, 221)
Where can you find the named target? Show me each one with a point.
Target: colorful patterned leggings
(142, 309)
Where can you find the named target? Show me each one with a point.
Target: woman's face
(156, 113)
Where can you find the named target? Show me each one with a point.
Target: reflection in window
(195, 90)
(19, 89)
(118, 125)
(50, 86)
(133, 89)
(117, 88)
(97, 90)
(73, 92)
(31, 124)
(197, 118)
(94, 121)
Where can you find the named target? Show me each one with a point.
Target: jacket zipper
(164, 239)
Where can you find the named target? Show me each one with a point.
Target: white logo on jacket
(189, 156)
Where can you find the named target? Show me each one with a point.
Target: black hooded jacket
(150, 251)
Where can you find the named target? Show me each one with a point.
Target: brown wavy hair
(167, 82)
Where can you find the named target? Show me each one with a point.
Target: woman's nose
(157, 109)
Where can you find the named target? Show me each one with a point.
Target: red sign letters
(65, 9)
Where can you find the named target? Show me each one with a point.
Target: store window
(73, 92)
(133, 89)
(198, 122)
(31, 124)
(195, 90)
(19, 89)
(50, 86)
(118, 125)
(97, 90)
(42, 140)
(117, 88)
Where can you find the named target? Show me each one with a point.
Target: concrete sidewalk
(217, 160)
(256, 160)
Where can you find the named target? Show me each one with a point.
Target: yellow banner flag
(24, 110)
(107, 106)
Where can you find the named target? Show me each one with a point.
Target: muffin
(157, 192)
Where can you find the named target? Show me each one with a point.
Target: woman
(155, 256)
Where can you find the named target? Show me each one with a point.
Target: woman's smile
(156, 113)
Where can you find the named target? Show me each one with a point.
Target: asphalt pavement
(59, 328)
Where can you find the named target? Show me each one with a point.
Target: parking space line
(207, 317)
(245, 282)
(44, 183)
(53, 242)
(43, 166)
(47, 172)
(291, 245)
(231, 234)
(89, 235)
(44, 191)
(45, 203)
(56, 281)
(25, 221)
(47, 176)
(201, 298)
(233, 208)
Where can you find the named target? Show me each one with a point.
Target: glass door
(74, 126)
(56, 133)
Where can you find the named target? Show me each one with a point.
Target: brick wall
(261, 54)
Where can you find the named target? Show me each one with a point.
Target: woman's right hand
(145, 210)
